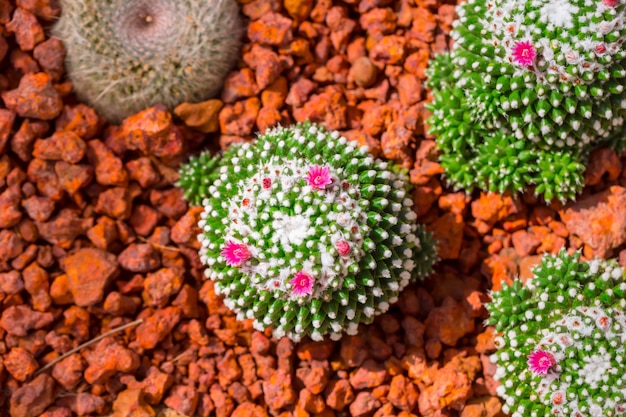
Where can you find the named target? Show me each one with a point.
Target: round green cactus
(529, 89)
(126, 55)
(306, 232)
(562, 344)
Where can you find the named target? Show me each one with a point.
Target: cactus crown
(528, 91)
(562, 344)
(304, 231)
(127, 55)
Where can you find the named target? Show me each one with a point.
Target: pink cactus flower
(540, 362)
(235, 253)
(610, 3)
(302, 284)
(343, 247)
(267, 183)
(600, 49)
(524, 53)
(319, 177)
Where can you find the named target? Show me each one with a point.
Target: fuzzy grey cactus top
(529, 89)
(127, 55)
(562, 340)
(306, 232)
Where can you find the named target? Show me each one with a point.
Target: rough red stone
(32, 398)
(599, 220)
(183, 399)
(89, 272)
(106, 358)
(35, 97)
(20, 319)
(157, 326)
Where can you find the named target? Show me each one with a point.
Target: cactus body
(562, 340)
(305, 232)
(127, 55)
(529, 89)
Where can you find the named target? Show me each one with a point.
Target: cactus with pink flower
(527, 92)
(561, 344)
(305, 231)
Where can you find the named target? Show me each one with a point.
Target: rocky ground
(93, 234)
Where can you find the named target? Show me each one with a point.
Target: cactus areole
(126, 55)
(562, 340)
(306, 232)
(529, 89)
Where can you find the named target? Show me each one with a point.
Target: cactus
(127, 55)
(306, 232)
(529, 89)
(562, 340)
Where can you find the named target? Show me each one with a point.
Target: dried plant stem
(90, 342)
(157, 246)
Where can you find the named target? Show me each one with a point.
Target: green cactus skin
(575, 311)
(353, 239)
(529, 89)
(126, 55)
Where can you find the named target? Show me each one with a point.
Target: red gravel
(93, 234)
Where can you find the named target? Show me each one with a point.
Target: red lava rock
(11, 282)
(10, 245)
(159, 286)
(35, 97)
(339, 394)
(402, 393)
(228, 369)
(108, 168)
(185, 230)
(369, 375)
(73, 177)
(364, 403)
(448, 230)
(67, 146)
(491, 208)
(238, 119)
(271, 29)
(142, 171)
(201, 116)
(157, 326)
(487, 406)
(525, 243)
(89, 272)
(311, 402)
(69, 371)
(50, 55)
(603, 161)
(267, 65)
(10, 214)
(18, 320)
(279, 391)
(32, 398)
(36, 283)
(183, 399)
(115, 202)
(328, 108)
(103, 233)
(42, 174)
(80, 119)
(63, 228)
(106, 358)
(83, 403)
(248, 409)
(20, 363)
(139, 258)
(299, 92)
(143, 219)
(7, 117)
(131, 402)
(169, 202)
(599, 220)
(450, 389)
(28, 32)
(239, 85)
(449, 322)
